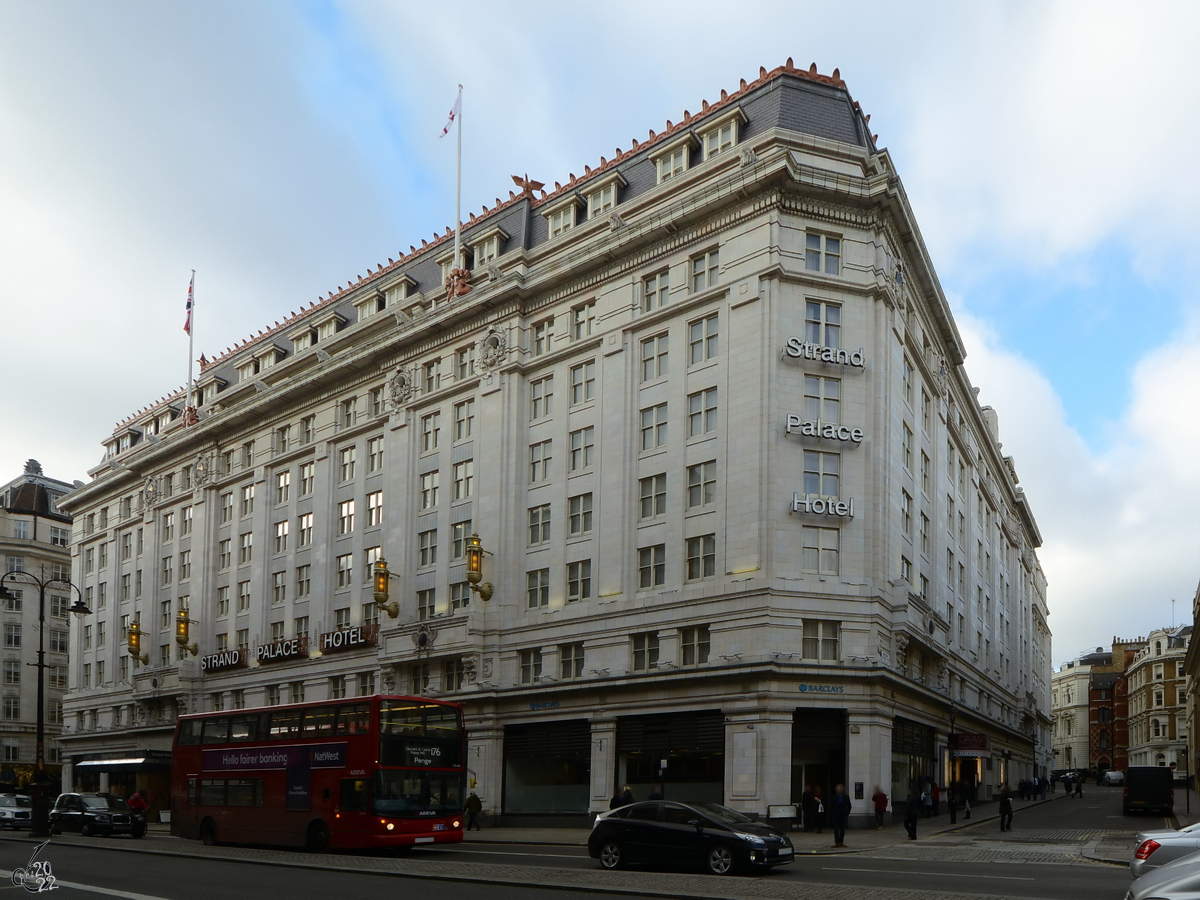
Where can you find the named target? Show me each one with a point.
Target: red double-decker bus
(382, 771)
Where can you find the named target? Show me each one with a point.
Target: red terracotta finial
(762, 71)
(743, 87)
(652, 135)
(812, 70)
(669, 125)
(635, 143)
(603, 161)
(837, 75)
(703, 106)
(557, 186)
(789, 65)
(867, 120)
(587, 170)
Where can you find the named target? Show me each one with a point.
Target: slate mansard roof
(791, 99)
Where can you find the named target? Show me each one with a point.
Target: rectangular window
(345, 570)
(579, 580)
(283, 438)
(59, 537)
(906, 381)
(426, 604)
(185, 572)
(653, 492)
(431, 429)
(654, 426)
(579, 510)
(531, 666)
(346, 459)
(582, 448)
(459, 532)
(822, 253)
(304, 531)
(185, 521)
(373, 555)
(374, 509)
(464, 362)
(583, 382)
(570, 658)
(906, 444)
(375, 401)
(308, 429)
(346, 517)
(701, 557)
(307, 478)
(694, 644)
(822, 473)
(539, 524)
(126, 546)
(925, 534)
(429, 489)
(702, 412)
(820, 640)
(539, 461)
(125, 587)
(583, 319)
(905, 569)
(243, 596)
(427, 548)
(704, 270)
(245, 549)
(283, 487)
(166, 570)
(247, 499)
(537, 588)
(460, 595)
(654, 290)
(303, 581)
(281, 536)
(702, 340)
(645, 651)
(820, 551)
(168, 529)
(561, 221)
(654, 357)
(925, 410)
(375, 454)
(348, 412)
(543, 336)
(652, 566)
(672, 164)
(464, 479)
(924, 473)
(341, 618)
(278, 587)
(823, 324)
(223, 601)
(12, 636)
(702, 484)
(541, 393)
(464, 419)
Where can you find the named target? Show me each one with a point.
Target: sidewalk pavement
(858, 840)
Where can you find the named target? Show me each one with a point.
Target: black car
(91, 814)
(720, 839)
(15, 811)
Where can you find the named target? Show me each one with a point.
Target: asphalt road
(1040, 858)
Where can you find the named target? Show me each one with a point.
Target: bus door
(353, 805)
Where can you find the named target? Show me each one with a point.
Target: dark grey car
(719, 839)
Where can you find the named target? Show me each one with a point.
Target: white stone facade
(754, 637)
(1158, 701)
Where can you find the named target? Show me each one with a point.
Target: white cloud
(1120, 528)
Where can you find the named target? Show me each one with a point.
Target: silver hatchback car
(1153, 849)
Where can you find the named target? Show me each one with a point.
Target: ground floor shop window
(547, 767)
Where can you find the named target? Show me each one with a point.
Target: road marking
(460, 849)
(942, 874)
(95, 889)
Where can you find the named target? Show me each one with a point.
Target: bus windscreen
(396, 793)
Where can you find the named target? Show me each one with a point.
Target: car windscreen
(117, 803)
(22, 802)
(722, 814)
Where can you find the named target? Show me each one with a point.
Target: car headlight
(103, 818)
(751, 838)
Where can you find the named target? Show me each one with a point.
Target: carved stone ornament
(493, 272)
(487, 668)
(492, 348)
(403, 386)
(749, 157)
(458, 283)
(470, 668)
(150, 491)
(387, 679)
(200, 470)
(423, 638)
(615, 222)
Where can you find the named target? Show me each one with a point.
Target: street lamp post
(40, 822)
(953, 761)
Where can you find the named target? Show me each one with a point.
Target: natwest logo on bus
(226, 659)
(970, 745)
(280, 651)
(350, 638)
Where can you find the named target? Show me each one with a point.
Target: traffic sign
(1174, 766)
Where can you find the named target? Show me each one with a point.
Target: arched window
(1158, 648)
(1160, 759)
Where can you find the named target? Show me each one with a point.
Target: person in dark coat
(808, 808)
(818, 809)
(912, 812)
(626, 796)
(472, 808)
(880, 799)
(655, 793)
(617, 801)
(1006, 809)
(1079, 786)
(839, 814)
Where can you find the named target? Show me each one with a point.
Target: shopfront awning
(125, 764)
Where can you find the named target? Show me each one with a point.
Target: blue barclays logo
(822, 689)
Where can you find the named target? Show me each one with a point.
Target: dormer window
(672, 160)
(303, 339)
(328, 326)
(560, 218)
(267, 357)
(125, 442)
(603, 195)
(151, 427)
(399, 292)
(486, 246)
(370, 305)
(209, 389)
(722, 134)
(247, 370)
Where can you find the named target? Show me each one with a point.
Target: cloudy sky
(281, 149)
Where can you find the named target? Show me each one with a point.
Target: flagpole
(191, 341)
(458, 192)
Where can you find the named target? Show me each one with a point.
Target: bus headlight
(456, 824)
(391, 826)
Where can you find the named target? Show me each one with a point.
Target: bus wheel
(318, 837)
(208, 833)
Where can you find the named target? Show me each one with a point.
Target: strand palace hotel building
(749, 528)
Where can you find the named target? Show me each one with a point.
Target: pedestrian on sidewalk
(880, 799)
(1045, 786)
(655, 793)
(818, 809)
(927, 800)
(1079, 787)
(473, 808)
(840, 813)
(1006, 808)
(627, 796)
(808, 808)
(1066, 780)
(936, 793)
(912, 812)
(618, 799)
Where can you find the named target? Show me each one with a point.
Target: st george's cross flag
(455, 111)
(187, 325)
